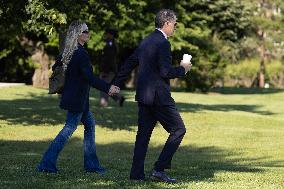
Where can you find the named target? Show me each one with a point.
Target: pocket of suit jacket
(163, 96)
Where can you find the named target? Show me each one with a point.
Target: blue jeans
(91, 162)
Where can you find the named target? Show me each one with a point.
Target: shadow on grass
(43, 109)
(194, 108)
(245, 91)
(191, 163)
(33, 110)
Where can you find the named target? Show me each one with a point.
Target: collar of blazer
(165, 35)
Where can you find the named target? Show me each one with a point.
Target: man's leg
(171, 120)
(103, 95)
(146, 124)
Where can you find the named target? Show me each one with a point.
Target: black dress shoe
(161, 176)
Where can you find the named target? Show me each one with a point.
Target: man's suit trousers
(171, 121)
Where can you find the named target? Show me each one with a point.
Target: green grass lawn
(234, 139)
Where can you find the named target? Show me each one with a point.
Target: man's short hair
(113, 32)
(163, 16)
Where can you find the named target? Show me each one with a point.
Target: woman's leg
(91, 162)
(48, 162)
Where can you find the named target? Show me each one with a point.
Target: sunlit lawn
(234, 139)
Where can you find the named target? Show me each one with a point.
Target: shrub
(275, 73)
(244, 73)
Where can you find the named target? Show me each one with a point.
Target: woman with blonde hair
(75, 99)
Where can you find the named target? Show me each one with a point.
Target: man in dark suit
(153, 58)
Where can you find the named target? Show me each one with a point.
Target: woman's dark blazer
(79, 78)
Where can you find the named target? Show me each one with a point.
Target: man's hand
(187, 66)
(113, 90)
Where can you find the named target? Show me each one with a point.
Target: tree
(14, 62)
(27, 32)
(200, 25)
(40, 28)
(268, 33)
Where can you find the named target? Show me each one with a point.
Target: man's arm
(131, 63)
(165, 63)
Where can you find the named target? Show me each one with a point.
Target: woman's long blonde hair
(71, 41)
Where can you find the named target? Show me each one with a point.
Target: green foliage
(41, 19)
(230, 19)
(267, 26)
(4, 53)
(14, 65)
(245, 72)
(10, 25)
(208, 30)
(23, 19)
(275, 73)
(215, 32)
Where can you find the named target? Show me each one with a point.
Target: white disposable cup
(186, 58)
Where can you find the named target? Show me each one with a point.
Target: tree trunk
(261, 75)
(262, 49)
(41, 74)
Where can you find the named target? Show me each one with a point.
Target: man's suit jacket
(155, 70)
(78, 79)
(108, 60)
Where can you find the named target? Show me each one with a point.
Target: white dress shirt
(165, 35)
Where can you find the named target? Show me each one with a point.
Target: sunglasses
(86, 31)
